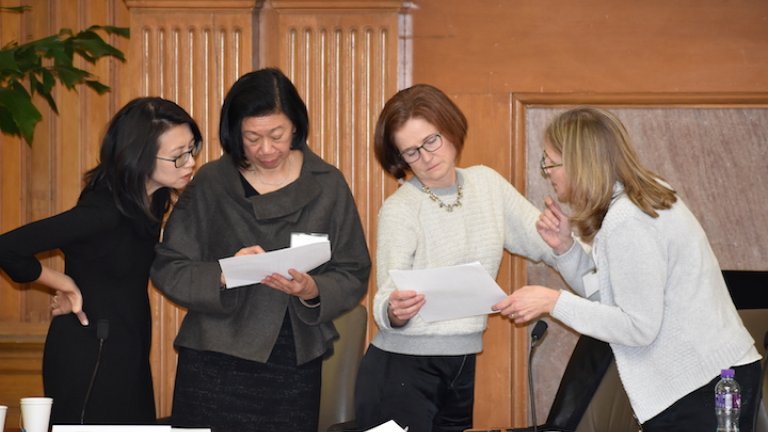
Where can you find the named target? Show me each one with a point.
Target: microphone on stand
(102, 333)
(536, 334)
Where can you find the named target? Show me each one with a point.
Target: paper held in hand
(451, 292)
(251, 269)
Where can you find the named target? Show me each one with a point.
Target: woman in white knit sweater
(652, 287)
(422, 374)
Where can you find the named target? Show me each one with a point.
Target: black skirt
(121, 392)
(230, 394)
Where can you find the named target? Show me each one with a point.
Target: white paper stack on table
(451, 292)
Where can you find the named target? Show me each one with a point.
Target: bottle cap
(727, 373)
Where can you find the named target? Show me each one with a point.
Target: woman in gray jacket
(250, 357)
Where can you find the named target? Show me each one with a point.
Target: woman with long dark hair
(101, 307)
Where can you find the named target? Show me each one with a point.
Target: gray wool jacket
(213, 219)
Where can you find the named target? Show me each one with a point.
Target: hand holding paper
(451, 292)
(404, 305)
(251, 269)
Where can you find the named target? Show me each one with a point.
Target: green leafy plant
(36, 67)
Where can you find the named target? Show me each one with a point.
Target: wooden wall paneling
(591, 46)
(13, 153)
(20, 367)
(501, 379)
(490, 47)
(189, 52)
(342, 56)
(44, 179)
(39, 178)
(686, 138)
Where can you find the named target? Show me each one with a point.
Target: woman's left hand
(302, 285)
(554, 227)
(528, 303)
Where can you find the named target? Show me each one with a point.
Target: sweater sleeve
(634, 279)
(397, 238)
(182, 269)
(91, 216)
(520, 216)
(573, 266)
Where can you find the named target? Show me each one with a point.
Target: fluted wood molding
(217, 5)
(334, 5)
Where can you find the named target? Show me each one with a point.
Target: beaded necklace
(448, 207)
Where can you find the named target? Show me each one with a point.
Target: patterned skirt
(230, 394)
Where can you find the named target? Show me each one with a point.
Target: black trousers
(424, 393)
(696, 411)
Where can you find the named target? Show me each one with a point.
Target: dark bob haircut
(258, 94)
(128, 154)
(420, 101)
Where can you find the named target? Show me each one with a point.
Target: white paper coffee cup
(3, 411)
(35, 413)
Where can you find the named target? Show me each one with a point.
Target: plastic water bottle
(727, 402)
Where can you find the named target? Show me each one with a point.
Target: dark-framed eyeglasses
(431, 144)
(181, 160)
(544, 167)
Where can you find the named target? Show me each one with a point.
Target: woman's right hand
(404, 305)
(554, 227)
(68, 298)
(250, 250)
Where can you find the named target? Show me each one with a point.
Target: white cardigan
(657, 295)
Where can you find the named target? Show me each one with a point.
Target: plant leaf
(43, 88)
(24, 114)
(71, 76)
(6, 122)
(43, 63)
(15, 9)
(97, 86)
(89, 44)
(92, 47)
(119, 31)
(8, 63)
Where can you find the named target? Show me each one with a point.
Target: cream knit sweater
(415, 233)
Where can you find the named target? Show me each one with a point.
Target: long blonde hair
(597, 153)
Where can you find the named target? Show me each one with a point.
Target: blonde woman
(652, 287)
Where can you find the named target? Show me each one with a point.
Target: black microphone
(102, 333)
(538, 331)
(536, 334)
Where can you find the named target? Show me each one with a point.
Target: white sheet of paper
(389, 426)
(451, 292)
(251, 269)
(301, 239)
(111, 428)
(123, 428)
